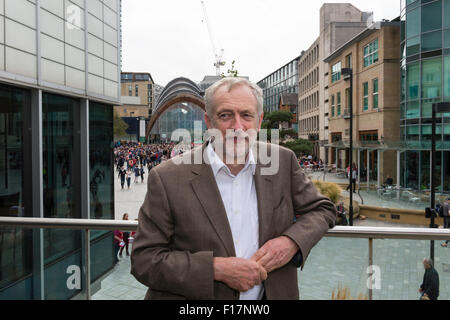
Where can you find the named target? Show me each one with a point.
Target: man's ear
(261, 118)
(208, 121)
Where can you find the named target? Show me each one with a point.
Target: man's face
(236, 117)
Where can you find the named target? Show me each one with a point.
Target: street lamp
(441, 107)
(348, 75)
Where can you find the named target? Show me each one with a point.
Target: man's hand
(239, 274)
(276, 253)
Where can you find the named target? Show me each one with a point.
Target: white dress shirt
(240, 201)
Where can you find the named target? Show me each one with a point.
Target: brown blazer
(183, 225)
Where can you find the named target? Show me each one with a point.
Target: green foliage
(273, 119)
(231, 72)
(329, 189)
(119, 126)
(299, 146)
(288, 132)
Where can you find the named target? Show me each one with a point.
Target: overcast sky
(169, 38)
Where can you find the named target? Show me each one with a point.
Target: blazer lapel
(207, 192)
(264, 192)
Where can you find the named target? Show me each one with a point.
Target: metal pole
(351, 152)
(433, 163)
(88, 265)
(370, 267)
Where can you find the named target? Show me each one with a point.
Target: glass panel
(447, 76)
(427, 107)
(446, 168)
(101, 170)
(412, 169)
(413, 76)
(412, 46)
(348, 271)
(446, 13)
(401, 268)
(413, 23)
(425, 170)
(431, 78)
(59, 159)
(15, 244)
(432, 16)
(432, 41)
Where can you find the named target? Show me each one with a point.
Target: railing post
(370, 267)
(87, 253)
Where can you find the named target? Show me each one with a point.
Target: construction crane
(218, 62)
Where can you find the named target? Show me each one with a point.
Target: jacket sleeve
(315, 213)
(153, 261)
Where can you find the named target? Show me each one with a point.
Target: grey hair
(428, 261)
(229, 83)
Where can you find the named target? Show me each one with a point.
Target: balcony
(343, 257)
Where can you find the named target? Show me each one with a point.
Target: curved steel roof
(176, 87)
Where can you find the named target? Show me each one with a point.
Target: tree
(120, 126)
(299, 146)
(275, 118)
(231, 72)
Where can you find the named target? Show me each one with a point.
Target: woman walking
(126, 236)
(128, 178)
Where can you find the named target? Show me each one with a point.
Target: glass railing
(369, 262)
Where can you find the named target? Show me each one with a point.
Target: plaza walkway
(333, 262)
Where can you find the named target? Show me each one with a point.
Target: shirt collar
(217, 163)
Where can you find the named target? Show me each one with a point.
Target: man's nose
(237, 124)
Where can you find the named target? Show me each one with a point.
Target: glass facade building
(425, 79)
(59, 81)
(179, 116)
(284, 80)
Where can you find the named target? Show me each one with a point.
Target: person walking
(118, 241)
(129, 178)
(122, 175)
(429, 288)
(142, 173)
(136, 174)
(354, 174)
(446, 215)
(126, 236)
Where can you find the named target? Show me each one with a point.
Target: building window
(371, 53)
(137, 90)
(332, 105)
(336, 72)
(130, 90)
(366, 96)
(375, 94)
(348, 60)
(338, 103)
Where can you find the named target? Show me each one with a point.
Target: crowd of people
(308, 162)
(134, 158)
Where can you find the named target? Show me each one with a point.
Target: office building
(425, 79)
(138, 101)
(283, 80)
(374, 57)
(59, 81)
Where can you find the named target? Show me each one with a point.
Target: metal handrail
(369, 233)
(124, 225)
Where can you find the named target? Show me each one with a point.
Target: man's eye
(224, 116)
(248, 116)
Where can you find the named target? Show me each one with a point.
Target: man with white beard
(223, 229)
